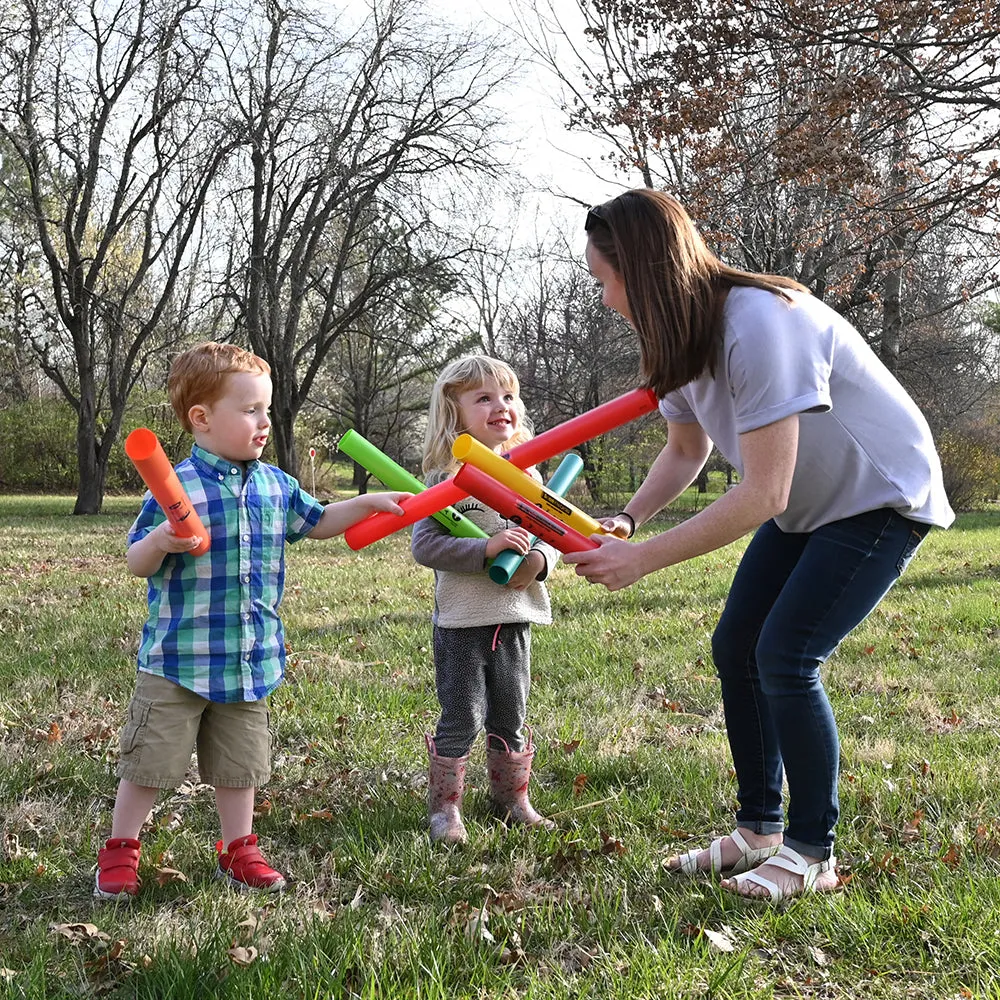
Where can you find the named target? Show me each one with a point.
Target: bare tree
(850, 145)
(109, 110)
(349, 141)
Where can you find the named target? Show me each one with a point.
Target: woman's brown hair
(675, 285)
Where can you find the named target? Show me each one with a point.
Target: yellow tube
(467, 449)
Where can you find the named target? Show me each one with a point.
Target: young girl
(482, 631)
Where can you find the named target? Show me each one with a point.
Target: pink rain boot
(445, 785)
(510, 772)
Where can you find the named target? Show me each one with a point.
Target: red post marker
(548, 444)
(515, 508)
(151, 462)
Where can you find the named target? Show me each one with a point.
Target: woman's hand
(616, 564)
(621, 525)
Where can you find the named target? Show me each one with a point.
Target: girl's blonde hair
(444, 419)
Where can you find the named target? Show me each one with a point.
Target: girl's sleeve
(434, 546)
(549, 553)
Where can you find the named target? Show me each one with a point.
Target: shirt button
(246, 616)
(247, 657)
(234, 471)
(221, 477)
(246, 579)
(246, 538)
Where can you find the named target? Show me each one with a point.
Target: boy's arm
(146, 556)
(338, 517)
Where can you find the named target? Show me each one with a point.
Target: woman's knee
(782, 671)
(730, 655)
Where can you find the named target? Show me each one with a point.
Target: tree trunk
(90, 494)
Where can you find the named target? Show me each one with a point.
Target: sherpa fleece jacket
(464, 594)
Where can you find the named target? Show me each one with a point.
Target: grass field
(632, 761)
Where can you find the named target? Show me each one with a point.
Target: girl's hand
(165, 539)
(616, 564)
(515, 538)
(527, 572)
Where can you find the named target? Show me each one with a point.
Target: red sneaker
(243, 866)
(117, 869)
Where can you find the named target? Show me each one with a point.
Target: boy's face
(235, 427)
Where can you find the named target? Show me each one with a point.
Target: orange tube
(151, 462)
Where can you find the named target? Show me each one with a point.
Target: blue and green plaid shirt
(213, 624)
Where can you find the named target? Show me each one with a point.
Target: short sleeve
(778, 361)
(674, 407)
(150, 516)
(304, 512)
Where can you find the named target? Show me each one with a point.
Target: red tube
(151, 462)
(515, 508)
(548, 444)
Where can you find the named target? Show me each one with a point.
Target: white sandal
(790, 861)
(750, 857)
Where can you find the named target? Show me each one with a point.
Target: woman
(838, 474)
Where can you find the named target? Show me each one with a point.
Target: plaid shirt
(213, 624)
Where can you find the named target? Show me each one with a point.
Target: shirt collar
(219, 467)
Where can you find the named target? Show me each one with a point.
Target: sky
(552, 158)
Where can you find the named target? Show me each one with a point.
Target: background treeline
(340, 191)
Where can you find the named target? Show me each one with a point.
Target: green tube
(506, 563)
(396, 477)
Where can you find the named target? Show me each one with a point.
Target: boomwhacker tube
(467, 449)
(506, 564)
(396, 477)
(151, 462)
(515, 508)
(548, 444)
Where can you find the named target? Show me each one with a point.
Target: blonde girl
(482, 631)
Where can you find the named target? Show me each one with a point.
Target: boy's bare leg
(235, 807)
(132, 805)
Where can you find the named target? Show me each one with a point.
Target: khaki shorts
(166, 722)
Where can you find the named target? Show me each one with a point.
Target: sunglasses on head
(594, 219)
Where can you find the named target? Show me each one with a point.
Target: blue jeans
(793, 599)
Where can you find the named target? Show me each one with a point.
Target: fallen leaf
(324, 814)
(167, 876)
(819, 956)
(243, 955)
(718, 939)
(612, 845)
(571, 747)
(579, 783)
(952, 856)
(911, 830)
(6, 975)
(78, 933)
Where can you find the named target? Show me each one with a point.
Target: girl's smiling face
(490, 413)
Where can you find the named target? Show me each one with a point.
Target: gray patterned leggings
(483, 675)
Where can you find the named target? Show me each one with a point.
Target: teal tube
(506, 563)
(396, 477)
